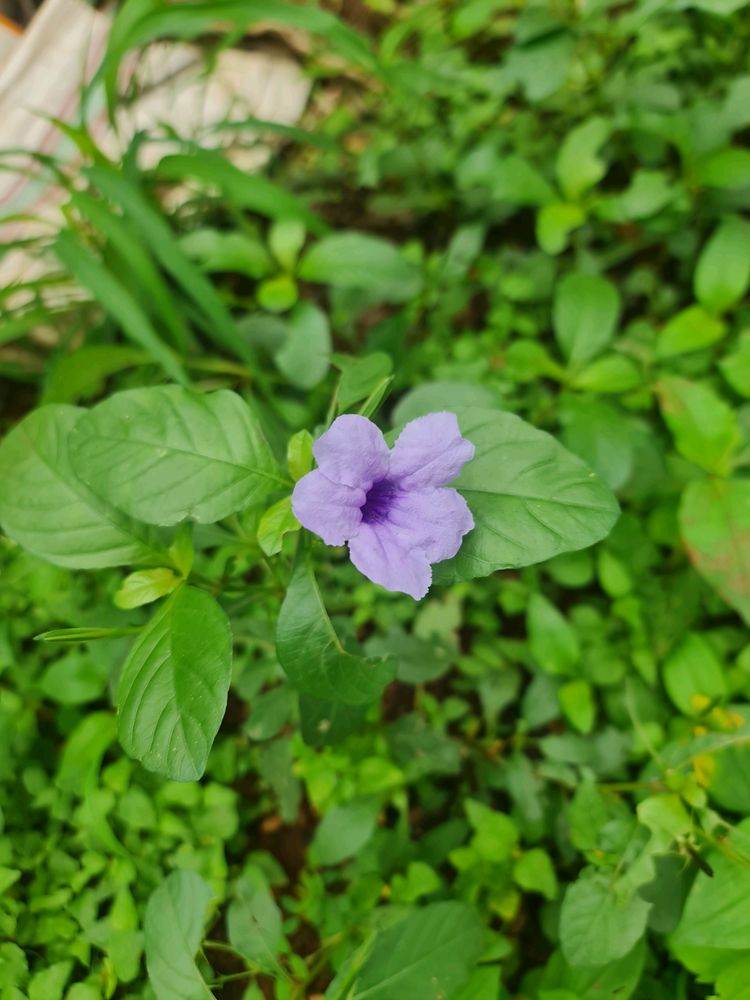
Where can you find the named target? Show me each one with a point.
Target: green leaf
(735, 367)
(117, 300)
(552, 640)
(614, 373)
(173, 686)
(704, 427)
(722, 274)
(233, 251)
(75, 679)
(362, 378)
(48, 510)
(357, 260)
(716, 911)
(165, 454)
(727, 168)
(254, 922)
(530, 498)
(276, 522)
(299, 455)
(145, 586)
(597, 925)
(555, 223)
(515, 180)
(714, 520)
(578, 165)
(578, 705)
(324, 723)
(495, 834)
(312, 655)
(585, 316)
(305, 355)
(690, 330)
(277, 294)
(173, 930)
(535, 872)
(429, 954)
(693, 675)
(344, 831)
(431, 397)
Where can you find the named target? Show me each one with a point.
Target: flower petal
(352, 452)
(433, 520)
(329, 509)
(430, 451)
(377, 552)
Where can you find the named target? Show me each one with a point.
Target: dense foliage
(534, 783)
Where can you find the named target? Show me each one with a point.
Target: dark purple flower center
(378, 502)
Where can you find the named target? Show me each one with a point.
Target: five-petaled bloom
(393, 507)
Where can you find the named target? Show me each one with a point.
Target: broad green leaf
(690, 330)
(704, 427)
(277, 294)
(534, 872)
(344, 830)
(232, 251)
(722, 274)
(165, 454)
(735, 367)
(48, 510)
(530, 498)
(305, 355)
(693, 675)
(599, 434)
(323, 723)
(728, 168)
(716, 913)
(515, 180)
(579, 167)
(598, 925)
(613, 373)
(495, 834)
(173, 931)
(362, 378)
(552, 640)
(609, 981)
(75, 679)
(145, 586)
(299, 455)
(585, 316)
(84, 750)
(312, 655)
(276, 522)
(358, 260)
(715, 526)
(431, 397)
(173, 686)
(254, 921)
(578, 705)
(555, 223)
(429, 954)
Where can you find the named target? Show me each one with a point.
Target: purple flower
(392, 507)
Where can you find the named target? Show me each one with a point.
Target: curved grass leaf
(48, 510)
(173, 687)
(530, 497)
(115, 299)
(165, 454)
